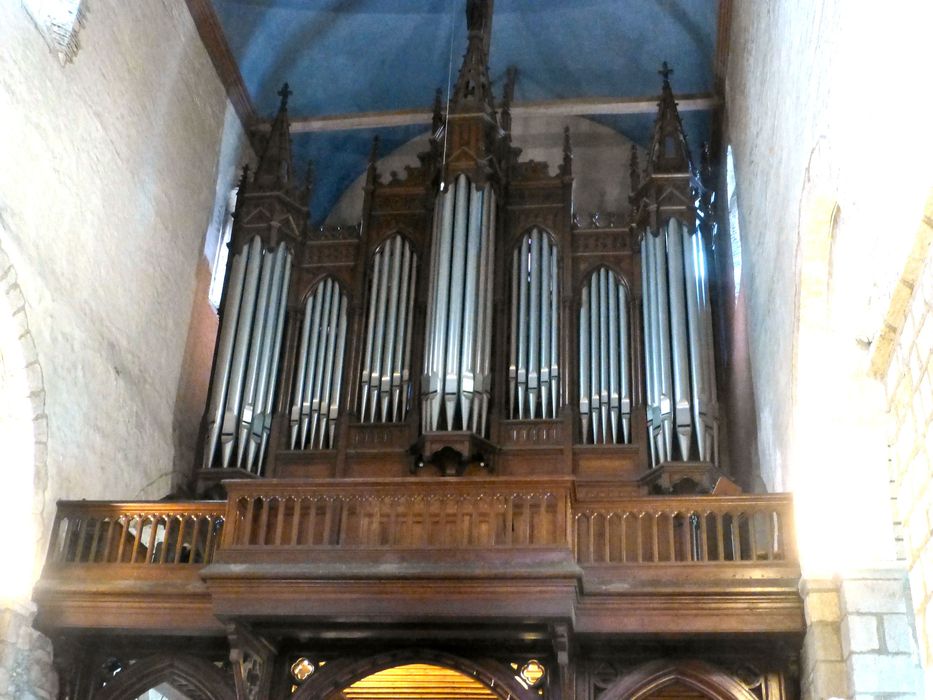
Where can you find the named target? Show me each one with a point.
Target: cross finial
(665, 71)
(284, 93)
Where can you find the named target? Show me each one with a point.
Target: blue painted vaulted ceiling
(342, 56)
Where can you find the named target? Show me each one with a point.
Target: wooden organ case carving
(475, 431)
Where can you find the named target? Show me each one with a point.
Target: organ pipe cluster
(456, 381)
(533, 358)
(386, 381)
(605, 372)
(319, 372)
(247, 359)
(679, 363)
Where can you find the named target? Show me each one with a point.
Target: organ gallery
(473, 444)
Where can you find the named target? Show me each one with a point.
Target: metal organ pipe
(605, 389)
(456, 383)
(248, 352)
(385, 377)
(533, 365)
(680, 370)
(319, 373)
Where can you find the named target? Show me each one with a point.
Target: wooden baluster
(92, 553)
(655, 539)
(248, 522)
(329, 502)
(590, 537)
(670, 537)
(607, 537)
(139, 532)
(688, 537)
(150, 544)
(195, 520)
(169, 519)
(640, 522)
(720, 537)
(111, 523)
(623, 554)
(123, 531)
(312, 517)
(215, 526)
(279, 520)
(704, 544)
(82, 535)
(263, 502)
(770, 545)
(296, 519)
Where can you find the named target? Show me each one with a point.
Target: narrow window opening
(219, 266)
(735, 238)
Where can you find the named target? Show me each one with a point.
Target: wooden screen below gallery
(417, 682)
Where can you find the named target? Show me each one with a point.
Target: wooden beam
(586, 106)
(212, 36)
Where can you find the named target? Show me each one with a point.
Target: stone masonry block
(822, 643)
(884, 673)
(898, 635)
(828, 680)
(873, 596)
(822, 606)
(859, 634)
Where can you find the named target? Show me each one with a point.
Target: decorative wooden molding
(575, 107)
(212, 35)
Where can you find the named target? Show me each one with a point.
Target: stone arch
(336, 676)
(197, 678)
(645, 680)
(23, 428)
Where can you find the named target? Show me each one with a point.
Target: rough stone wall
(26, 671)
(831, 186)
(110, 165)
(909, 386)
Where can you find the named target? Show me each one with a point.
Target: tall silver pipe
(370, 339)
(544, 370)
(379, 340)
(534, 322)
(388, 359)
(455, 317)
(254, 356)
(240, 350)
(514, 331)
(604, 354)
(522, 374)
(320, 361)
(439, 319)
(664, 346)
(327, 380)
(225, 351)
(555, 369)
(625, 385)
(406, 365)
(585, 363)
(314, 308)
(651, 359)
(484, 346)
(399, 364)
(269, 403)
(614, 340)
(336, 381)
(594, 358)
(475, 267)
(252, 435)
(680, 354)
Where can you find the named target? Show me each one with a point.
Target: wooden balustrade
(422, 513)
(428, 514)
(685, 530)
(89, 532)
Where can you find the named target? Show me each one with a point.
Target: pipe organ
(247, 357)
(385, 393)
(533, 350)
(455, 386)
(319, 370)
(473, 319)
(605, 385)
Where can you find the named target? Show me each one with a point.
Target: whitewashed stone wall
(829, 202)
(110, 170)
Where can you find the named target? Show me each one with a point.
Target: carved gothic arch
(642, 682)
(337, 676)
(197, 678)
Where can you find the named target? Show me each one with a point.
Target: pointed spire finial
(437, 117)
(567, 167)
(284, 93)
(244, 177)
(473, 86)
(666, 72)
(634, 174)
